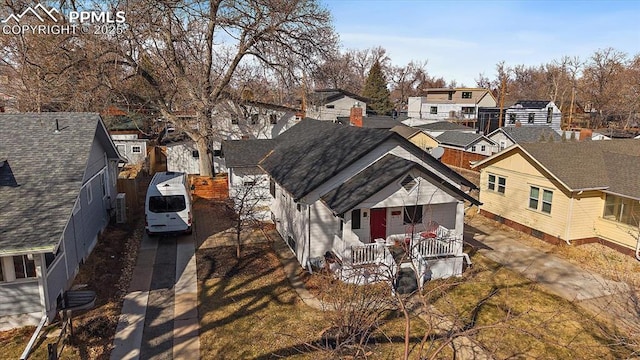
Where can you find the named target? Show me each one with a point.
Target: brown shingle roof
(611, 165)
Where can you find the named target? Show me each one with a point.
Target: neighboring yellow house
(577, 192)
(416, 136)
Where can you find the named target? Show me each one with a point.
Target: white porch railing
(374, 253)
(443, 243)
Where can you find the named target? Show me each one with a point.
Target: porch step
(406, 281)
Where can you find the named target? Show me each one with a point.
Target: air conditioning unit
(121, 208)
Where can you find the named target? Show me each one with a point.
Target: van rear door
(167, 213)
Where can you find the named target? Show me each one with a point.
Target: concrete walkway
(183, 331)
(556, 275)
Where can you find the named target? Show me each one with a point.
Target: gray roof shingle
(42, 176)
(522, 134)
(373, 179)
(458, 138)
(246, 153)
(532, 104)
(612, 165)
(313, 151)
(444, 125)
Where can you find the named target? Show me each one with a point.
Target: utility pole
(503, 85)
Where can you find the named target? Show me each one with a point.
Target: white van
(167, 206)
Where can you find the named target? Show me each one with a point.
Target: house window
(534, 199)
(549, 115)
(433, 110)
(24, 268)
(195, 154)
(292, 243)
(622, 210)
(468, 110)
(330, 106)
(298, 207)
(273, 119)
(473, 148)
(532, 117)
(408, 183)
(412, 214)
(272, 188)
(235, 121)
(136, 149)
(466, 94)
(500, 185)
(254, 119)
(483, 148)
(503, 145)
(89, 192)
(249, 183)
(512, 118)
(1, 272)
(355, 219)
(450, 97)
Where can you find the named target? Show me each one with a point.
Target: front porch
(435, 253)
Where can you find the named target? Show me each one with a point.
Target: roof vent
(408, 183)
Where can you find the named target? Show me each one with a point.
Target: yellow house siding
(586, 208)
(514, 204)
(423, 141)
(616, 232)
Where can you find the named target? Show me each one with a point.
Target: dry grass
(520, 319)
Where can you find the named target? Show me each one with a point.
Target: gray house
(507, 136)
(58, 176)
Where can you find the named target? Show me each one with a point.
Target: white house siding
(180, 158)
(489, 148)
(501, 140)
(443, 110)
(486, 101)
(324, 229)
(260, 190)
(540, 116)
(127, 145)
(57, 283)
(341, 107)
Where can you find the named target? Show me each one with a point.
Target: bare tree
(246, 207)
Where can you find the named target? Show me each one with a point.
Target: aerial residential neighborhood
(244, 180)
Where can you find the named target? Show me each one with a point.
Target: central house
(353, 193)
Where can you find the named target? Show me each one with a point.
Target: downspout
(638, 245)
(569, 216)
(309, 239)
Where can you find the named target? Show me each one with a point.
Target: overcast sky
(461, 39)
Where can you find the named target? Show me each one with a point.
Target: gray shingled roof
(532, 104)
(523, 134)
(324, 96)
(443, 125)
(42, 176)
(246, 153)
(373, 179)
(612, 165)
(458, 138)
(375, 121)
(313, 151)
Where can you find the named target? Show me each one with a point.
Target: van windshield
(163, 204)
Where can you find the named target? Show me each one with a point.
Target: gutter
(34, 337)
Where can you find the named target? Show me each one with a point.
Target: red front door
(378, 224)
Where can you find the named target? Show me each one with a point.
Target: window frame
(467, 95)
(433, 110)
(412, 209)
(356, 219)
(28, 267)
(498, 185)
(89, 192)
(513, 118)
(549, 115)
(542, 204)
(483, 148)
(531, 118)
(136, 147)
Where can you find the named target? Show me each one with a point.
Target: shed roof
(532, 104)
(246, 153)
(458, 138)
(42, 176)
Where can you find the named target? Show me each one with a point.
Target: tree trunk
(238, 234)
(205, 163)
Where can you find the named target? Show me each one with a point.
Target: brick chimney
(355, 118)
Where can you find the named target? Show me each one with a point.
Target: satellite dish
(437, 152)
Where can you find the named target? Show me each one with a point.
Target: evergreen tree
(375, 88)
